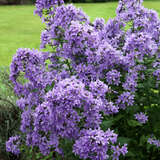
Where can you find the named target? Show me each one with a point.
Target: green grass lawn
(19, 28)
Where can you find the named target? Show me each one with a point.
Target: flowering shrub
(96, 76)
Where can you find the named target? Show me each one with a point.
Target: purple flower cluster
(141, 117)
(42, 5)
(125, 99)
(59, 24)
(133, 47)
(13, 145)
(92, 71)
(154, 142)
(95, 144)
(66, 105)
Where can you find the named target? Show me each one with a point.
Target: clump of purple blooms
(154, 141)
(141, 117)
(13, 144)
(94, 144)
(92, 71)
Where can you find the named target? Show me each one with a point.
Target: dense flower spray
(93, 71)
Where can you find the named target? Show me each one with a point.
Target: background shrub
(9, 113)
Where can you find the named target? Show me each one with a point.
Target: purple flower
(98, 88)
(156, 73)
(99, 24)
(113, 77)
(110, 108)
(117, 151)
(125, 99)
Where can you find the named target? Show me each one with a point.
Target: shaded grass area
(19, 28)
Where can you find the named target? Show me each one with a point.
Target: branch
(69, 67)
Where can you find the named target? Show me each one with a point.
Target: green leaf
(123, 140)
(130, 154)
(134, 123)
(107, 124)
(143, 140)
